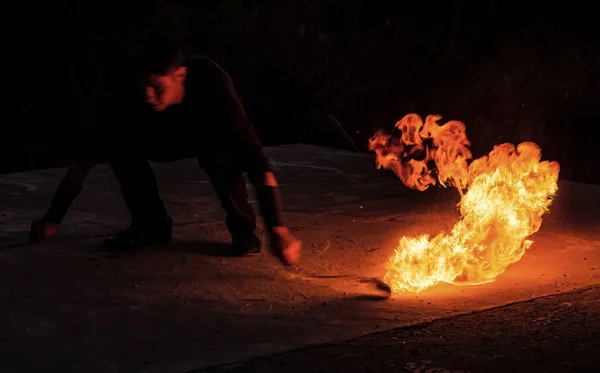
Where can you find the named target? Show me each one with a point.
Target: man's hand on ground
(41, 229)
(285, 246)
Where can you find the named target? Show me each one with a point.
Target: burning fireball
(504, 196)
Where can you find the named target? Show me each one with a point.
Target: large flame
(507, 192)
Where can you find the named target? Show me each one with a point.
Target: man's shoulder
(203, 65)
(206, 75)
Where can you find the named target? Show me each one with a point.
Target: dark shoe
(246, 245)
(137, 235)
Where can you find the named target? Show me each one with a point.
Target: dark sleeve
(90, 145)
(68, 190)
(229, 111)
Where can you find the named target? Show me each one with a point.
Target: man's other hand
(41, 229)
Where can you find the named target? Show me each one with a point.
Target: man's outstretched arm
(249, 149)
(65, 195)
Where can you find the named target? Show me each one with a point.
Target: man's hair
(156, 53)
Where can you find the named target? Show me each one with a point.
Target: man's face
(163, 91)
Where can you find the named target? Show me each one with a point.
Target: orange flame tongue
(448, 150)
(508, 192)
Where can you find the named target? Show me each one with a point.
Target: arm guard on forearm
(69, 189)
(271, 205)
(63, 198)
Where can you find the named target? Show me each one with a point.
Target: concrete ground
(557, 333)
(69, 306)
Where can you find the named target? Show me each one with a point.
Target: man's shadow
(200, 247)
(19, 241)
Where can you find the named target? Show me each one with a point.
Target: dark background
(327, 72)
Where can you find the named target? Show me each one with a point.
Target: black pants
(141, 195)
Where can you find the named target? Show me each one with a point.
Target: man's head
(161, 71)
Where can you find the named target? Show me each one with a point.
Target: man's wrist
(63, 198)
(52, 217)
(280, 229)
(270, 202)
